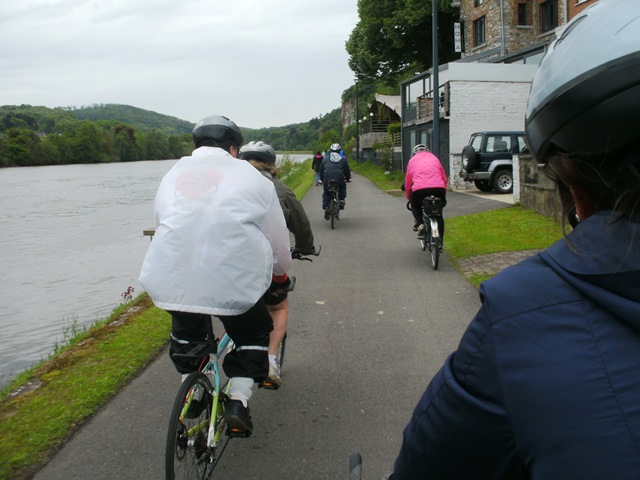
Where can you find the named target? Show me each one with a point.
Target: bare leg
(280, 314)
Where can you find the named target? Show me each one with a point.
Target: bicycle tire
(332, 211)
(280, 353)
(187, 456)
(434, 249)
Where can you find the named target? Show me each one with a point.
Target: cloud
(260, 62)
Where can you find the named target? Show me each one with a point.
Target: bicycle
(198, 433)
(430, 238)
(334, 203)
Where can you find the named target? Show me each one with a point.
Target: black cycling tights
(416, 205)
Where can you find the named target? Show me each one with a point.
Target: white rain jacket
(220, 234)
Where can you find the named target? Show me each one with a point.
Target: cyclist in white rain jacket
(221, 241)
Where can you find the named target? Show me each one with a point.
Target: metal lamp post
(357, 124)
(436, 82)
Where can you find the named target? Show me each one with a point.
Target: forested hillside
(32, 135)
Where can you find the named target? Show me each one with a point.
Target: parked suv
(487, 160)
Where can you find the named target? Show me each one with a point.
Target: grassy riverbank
(55, 397)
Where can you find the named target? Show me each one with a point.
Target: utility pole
(436, 82)
(357, 123)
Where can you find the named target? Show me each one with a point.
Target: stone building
(509, 31)
(501, 44)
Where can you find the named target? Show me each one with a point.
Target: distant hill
(316, 134)
(49, 120)
(137, 117)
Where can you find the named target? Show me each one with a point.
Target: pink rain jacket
(424, 171)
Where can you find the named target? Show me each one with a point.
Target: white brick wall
(476, 106)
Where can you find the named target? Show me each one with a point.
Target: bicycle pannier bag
(432, 205)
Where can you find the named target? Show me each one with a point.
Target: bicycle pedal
(234, 432)
(268, 385)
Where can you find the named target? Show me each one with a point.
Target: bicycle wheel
(434, 248)
(333, 211)
(187, 455)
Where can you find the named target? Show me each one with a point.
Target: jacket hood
(335, 157)
(606, 265)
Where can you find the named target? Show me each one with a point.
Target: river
(71, 245)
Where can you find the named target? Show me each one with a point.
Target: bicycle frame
(213, 364)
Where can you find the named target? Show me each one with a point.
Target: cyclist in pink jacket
(425, 177)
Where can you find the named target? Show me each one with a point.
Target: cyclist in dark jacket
(544, 384)
(334, 167)
(263, 157)
(315, 165)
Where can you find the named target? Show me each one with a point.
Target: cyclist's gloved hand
(279, 284)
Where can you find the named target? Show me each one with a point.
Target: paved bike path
(370, 323)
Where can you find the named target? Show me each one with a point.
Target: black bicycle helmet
(263, 152)
(585, 95)
(335, 147)
(217, 128)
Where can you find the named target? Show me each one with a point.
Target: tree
(85, 144)
(394, 37)
(327, 139)
(156, 146)
(124, 144)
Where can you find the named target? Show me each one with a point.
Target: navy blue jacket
(334, 166)
(545, 383)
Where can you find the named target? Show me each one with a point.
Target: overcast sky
(262, 63)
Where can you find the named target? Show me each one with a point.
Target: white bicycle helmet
(335, 147)
(420, 148)
(263, 152)
(585, 95)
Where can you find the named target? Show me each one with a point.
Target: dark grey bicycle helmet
(218, 129)
(263, 152)
(585, 95)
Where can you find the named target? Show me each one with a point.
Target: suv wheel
(469, 158)
(483, 185)
(502, 181)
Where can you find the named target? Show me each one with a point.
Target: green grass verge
(75, 383)
(509, 229)
(391, 181)
(503, 230)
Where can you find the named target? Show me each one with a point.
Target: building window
(477, 3)
(522, 14)
(548, 15)
(479, 31)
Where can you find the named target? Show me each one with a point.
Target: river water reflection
(71, 244)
